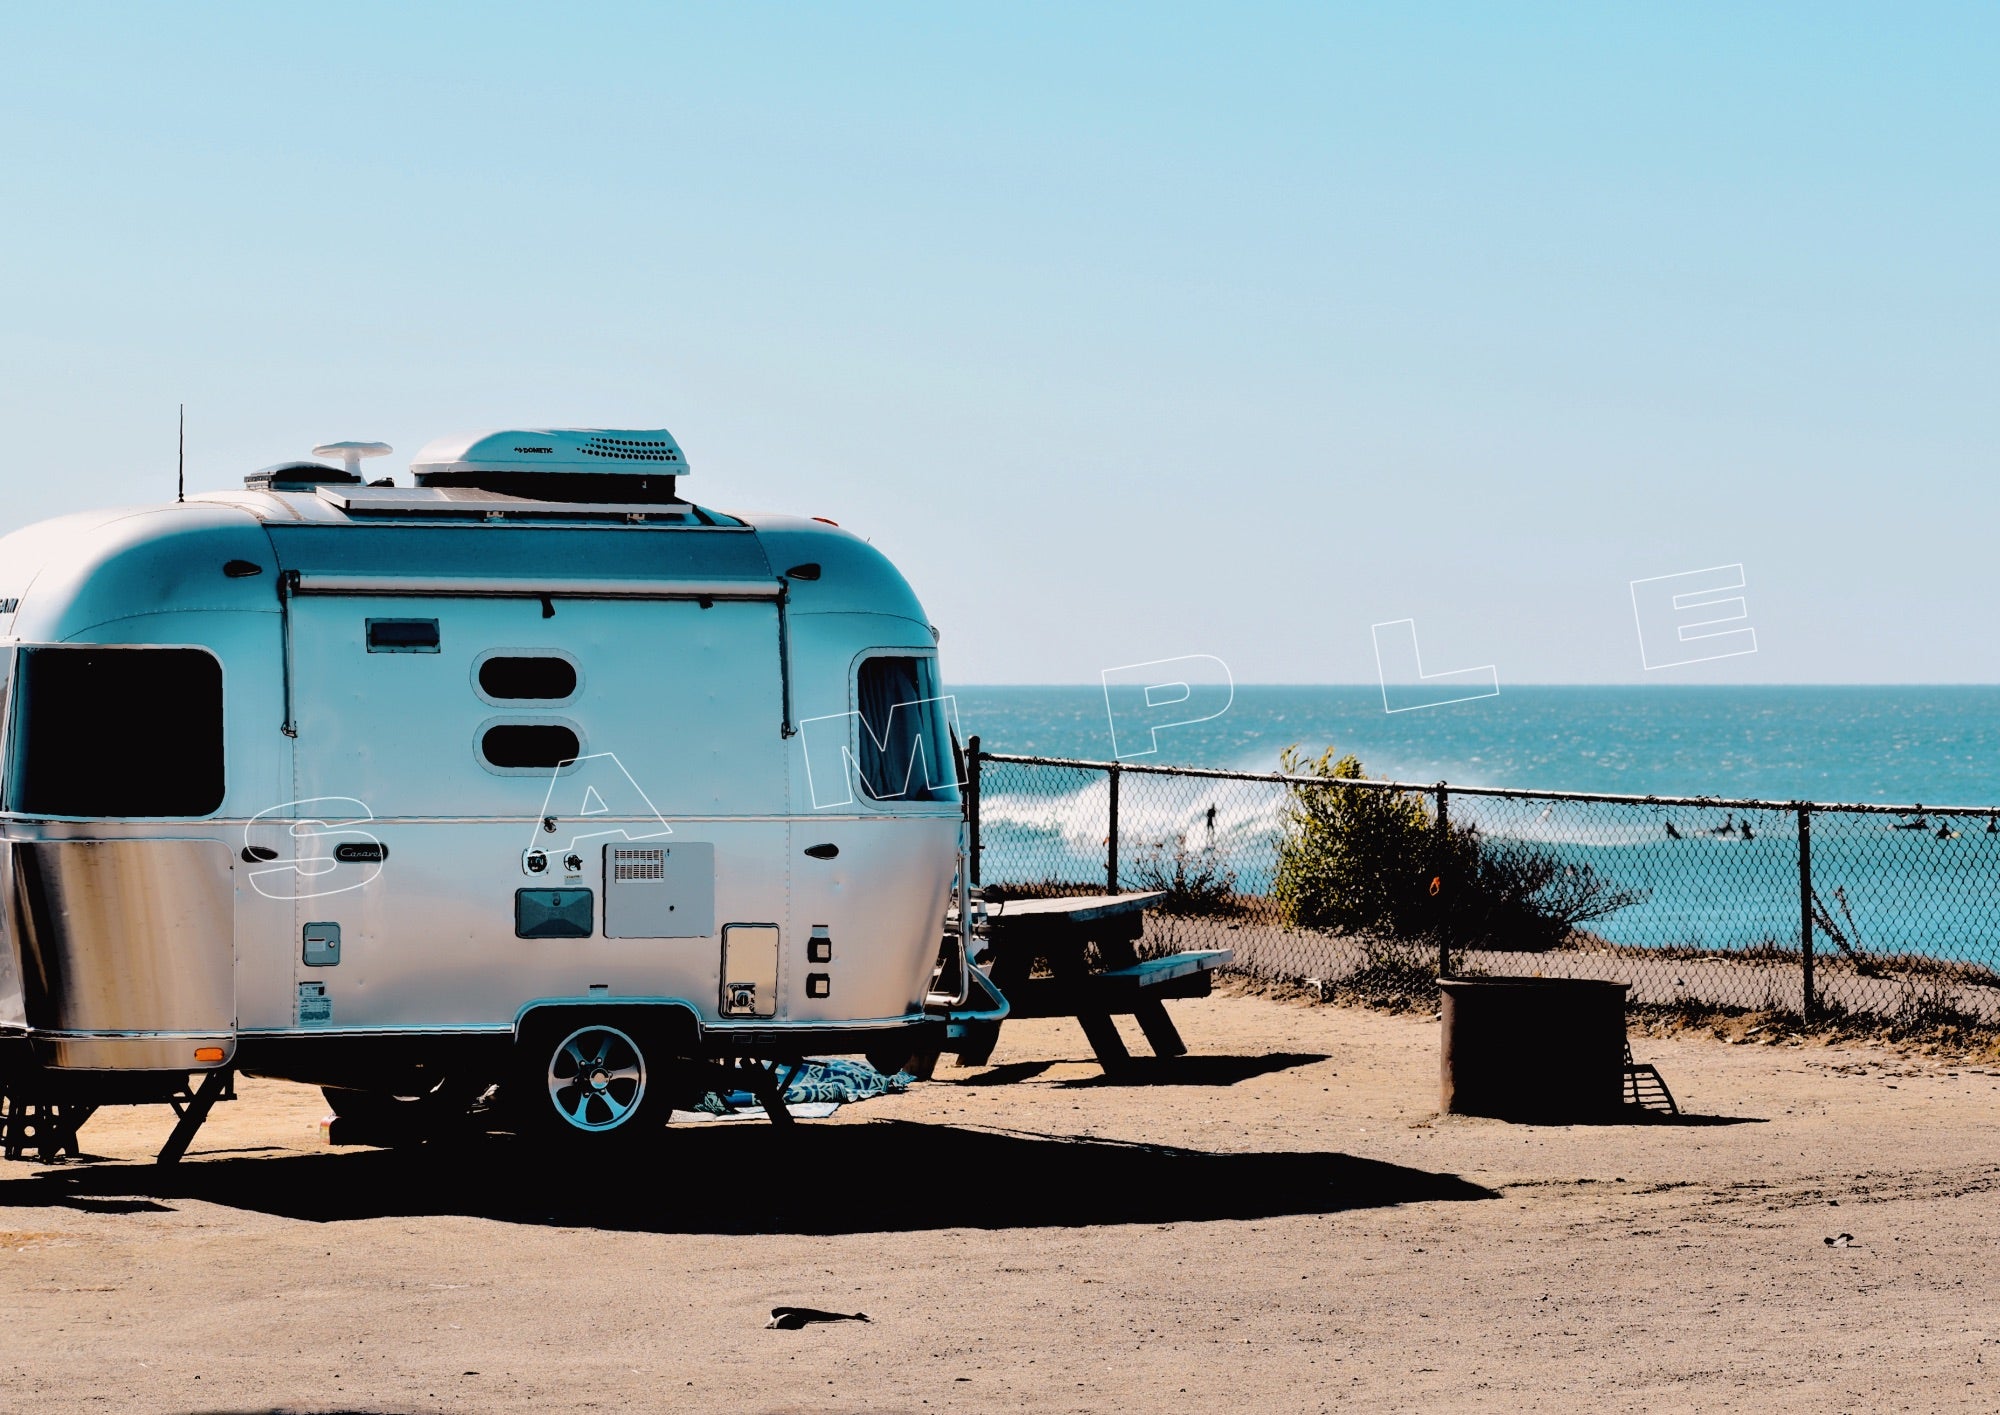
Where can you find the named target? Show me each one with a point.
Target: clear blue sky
(1129, 331)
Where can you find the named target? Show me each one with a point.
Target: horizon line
(1376, 687)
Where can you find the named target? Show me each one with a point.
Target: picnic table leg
(976, 1048)
(1010, 968)
(1159, 1028)
(1102, 1033)
(1098, 1027)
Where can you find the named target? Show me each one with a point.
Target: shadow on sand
(1638, 1115)
(1151, 1070)
(1625, 1115)
(1197, 1070)
(887, 1176)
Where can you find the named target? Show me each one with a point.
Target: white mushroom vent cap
(351, 453)
(570, 450)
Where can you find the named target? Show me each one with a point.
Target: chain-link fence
(1872, 912)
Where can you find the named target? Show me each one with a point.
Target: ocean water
(1939, 745)
(1707, 881)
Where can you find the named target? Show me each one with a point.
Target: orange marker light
(208, 1053)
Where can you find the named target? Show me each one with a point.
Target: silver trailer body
(338, 782)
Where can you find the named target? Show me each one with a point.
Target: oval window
(508, 676)
(529, 745)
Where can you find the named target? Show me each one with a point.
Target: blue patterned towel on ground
(829, 1080)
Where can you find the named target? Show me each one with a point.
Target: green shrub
(1352, 857)
(1367, 860)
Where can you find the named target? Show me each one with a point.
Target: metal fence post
(1806, 910)
(1442, 854)
(972, 805)
(1111, 839)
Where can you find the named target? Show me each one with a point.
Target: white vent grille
(638, 864)
(630, 449)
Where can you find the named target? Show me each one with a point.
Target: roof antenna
(181, 478)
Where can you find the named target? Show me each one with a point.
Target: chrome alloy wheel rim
(597, 1077)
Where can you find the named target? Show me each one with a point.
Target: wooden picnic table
(1060, 931)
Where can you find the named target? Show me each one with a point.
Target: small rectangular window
(117, 732)
(906, 751)
(6, 691)
(402, 636)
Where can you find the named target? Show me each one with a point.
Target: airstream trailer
(533, 772)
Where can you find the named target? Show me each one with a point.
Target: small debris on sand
(792, 1318)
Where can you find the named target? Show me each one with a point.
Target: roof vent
(298, 476)
(587, 464)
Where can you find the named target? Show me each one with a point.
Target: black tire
(590, 1080)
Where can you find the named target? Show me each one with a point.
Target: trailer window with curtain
(906, 752)
(6, 697)
(116, 733)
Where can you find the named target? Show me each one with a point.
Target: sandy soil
(1278, 1222)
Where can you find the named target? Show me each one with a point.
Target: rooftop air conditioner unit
(558, 464)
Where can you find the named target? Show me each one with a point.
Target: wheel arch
(673, 1021)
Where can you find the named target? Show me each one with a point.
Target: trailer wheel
(592, 1082)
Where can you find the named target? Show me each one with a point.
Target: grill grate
(638, 864)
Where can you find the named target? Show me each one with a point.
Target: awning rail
(538, 587)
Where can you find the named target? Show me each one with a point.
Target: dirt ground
(1280, 1221)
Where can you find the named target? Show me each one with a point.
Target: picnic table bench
(1060, 931)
